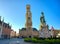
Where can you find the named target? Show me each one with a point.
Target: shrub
(27, 39)
(44, 40)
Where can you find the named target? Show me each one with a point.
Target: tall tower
(28, 17)
(28, 24)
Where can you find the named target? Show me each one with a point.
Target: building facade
(28, 31)
(0, 28)
(23, 32)
(5, 29)
(13, 34)
(54, 32)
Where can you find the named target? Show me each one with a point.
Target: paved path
(13, 41)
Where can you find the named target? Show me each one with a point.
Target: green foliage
(34, 40)
(27, 39)
(44, 41)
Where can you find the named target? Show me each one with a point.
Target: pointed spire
(52, 28)
(3, 22)
(0, 18)
(3, 19)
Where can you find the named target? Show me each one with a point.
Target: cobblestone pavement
(14, 41)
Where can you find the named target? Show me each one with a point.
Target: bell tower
(28, 24)
(28, 17)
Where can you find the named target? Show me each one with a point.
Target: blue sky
(14, 12)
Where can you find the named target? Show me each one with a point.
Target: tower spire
(28, 17)
(28, 7)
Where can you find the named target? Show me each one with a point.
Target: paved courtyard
(13, 41)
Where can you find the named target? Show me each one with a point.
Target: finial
(0, 18)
